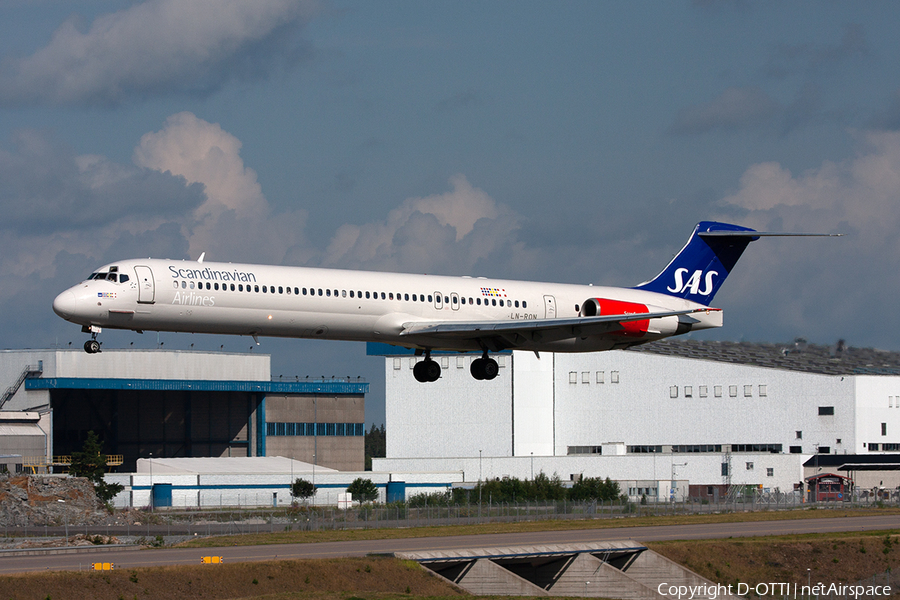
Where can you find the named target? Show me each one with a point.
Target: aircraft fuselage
(261, 300)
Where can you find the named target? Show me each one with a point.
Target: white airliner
(425, 312)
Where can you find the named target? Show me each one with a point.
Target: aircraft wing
(498, 335)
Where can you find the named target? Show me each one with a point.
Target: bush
(302, 489)
(434, 499)
(513, 489)
(594, 488)
(363, 490)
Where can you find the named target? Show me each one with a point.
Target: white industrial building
(708, 415)
(255, 481)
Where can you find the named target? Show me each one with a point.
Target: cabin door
(146, 287)
(549, 307)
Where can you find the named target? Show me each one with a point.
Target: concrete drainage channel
(618, 569)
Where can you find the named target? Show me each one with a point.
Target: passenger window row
(329, 293)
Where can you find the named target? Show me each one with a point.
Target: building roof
(798, 355)
(857, 460)
(336, 386)
(9, 416)
(380, 349)
(227, 465)
(21, 429)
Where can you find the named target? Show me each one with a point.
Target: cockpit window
(109, 277)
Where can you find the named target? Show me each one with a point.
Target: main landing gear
(428, 371)
(92, 346)
(484, 368)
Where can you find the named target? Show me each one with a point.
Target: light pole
(316, 438)
(532, 466)
(151, 482)
(816, 476)
(479, 480)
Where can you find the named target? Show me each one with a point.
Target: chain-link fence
(228, 521)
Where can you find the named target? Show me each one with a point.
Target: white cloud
(203, 152)
(863, 192)
(424, 234)
(767, 185)
(235, 222)
(823, 287)
(156, 47)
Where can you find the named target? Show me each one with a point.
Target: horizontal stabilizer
(756, 234)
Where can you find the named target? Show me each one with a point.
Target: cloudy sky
(557, 141)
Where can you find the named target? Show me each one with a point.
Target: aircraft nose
(64, 304)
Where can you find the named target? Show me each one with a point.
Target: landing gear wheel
(484, 368)
(92, 346)
(427, 371)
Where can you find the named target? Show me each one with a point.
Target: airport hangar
(191, 429)
(167, 404)
(702, 417)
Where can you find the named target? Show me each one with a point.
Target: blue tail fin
(699, 270)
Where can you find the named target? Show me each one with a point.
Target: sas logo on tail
(693, 283)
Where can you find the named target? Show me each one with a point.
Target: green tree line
(512, 489)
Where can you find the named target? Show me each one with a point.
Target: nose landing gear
(92, 346)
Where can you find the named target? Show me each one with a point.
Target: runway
(232, 554)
